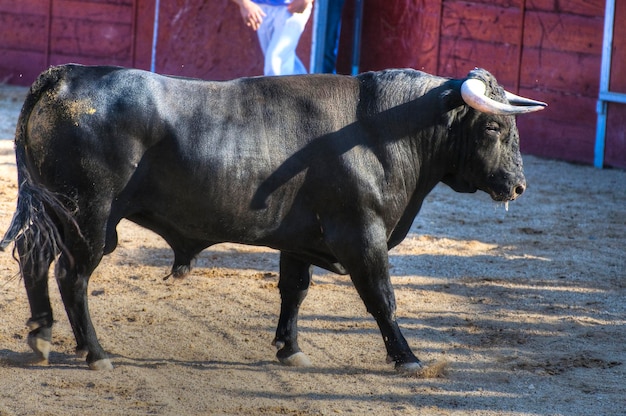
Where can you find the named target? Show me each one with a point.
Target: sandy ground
(526, 309)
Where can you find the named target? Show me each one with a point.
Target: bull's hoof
(431, 370)
(298, 359)
(103, 364)
(181, 270)
(410, 369)
(41, 350)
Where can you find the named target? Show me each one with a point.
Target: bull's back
(218, 159)
(235, 155)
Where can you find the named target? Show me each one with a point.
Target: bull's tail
(41, 214)
(36, 222)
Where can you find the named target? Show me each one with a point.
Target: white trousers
(279, 35)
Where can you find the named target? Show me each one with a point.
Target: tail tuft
(37, 221)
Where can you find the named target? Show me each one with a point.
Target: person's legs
(280, 54)
(266, 30)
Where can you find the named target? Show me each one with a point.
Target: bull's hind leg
(82, 254)
(35, 263)
(73, 280)
(295, 277)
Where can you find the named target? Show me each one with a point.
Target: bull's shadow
(372, 128)
(444, 267)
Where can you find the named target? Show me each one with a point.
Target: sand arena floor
(524, 310)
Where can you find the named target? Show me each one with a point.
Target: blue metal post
(356, 42)
(319, 35)
(605, 76)
(155, 35)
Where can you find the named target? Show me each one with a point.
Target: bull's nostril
(519, 189)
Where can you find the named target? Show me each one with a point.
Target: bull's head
(492, 160)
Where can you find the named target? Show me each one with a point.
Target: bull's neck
(423, 129)
(419, 141)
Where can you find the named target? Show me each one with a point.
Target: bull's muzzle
(518, 190)
(508, 193)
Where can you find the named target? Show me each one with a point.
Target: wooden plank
(564, 130)
(594, 8)
(575, 73)
(458, 57)
(565, 107)
(103, 11)
(562, 32)
(387, 43)
(500, 3)
(120, 2)
(91, 39)
(23, 31)
(99, 12)
(143, 34)
(25, 7)
(615, 144)
(556, 140)
(618, 58)
(487, 23)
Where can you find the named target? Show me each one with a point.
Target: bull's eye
(493, 127)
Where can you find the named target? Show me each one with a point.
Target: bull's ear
(451, 97)
(473, 91)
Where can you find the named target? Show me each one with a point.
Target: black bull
(330, 170)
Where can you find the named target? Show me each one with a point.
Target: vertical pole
(155, 35)
(598, 151)
(320, 13)
(605, 76)
(356, 40)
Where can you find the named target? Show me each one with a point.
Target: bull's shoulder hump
(309, 85)
(399, 79)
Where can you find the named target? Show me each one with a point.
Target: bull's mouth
(511, 195)
(501, 197)
(498, 194)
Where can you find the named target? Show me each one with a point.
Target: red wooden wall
(545, 49)
(196, 38)
(37, 33)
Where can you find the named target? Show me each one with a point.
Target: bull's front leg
(378, 296)
(294, 280)
(365, 255)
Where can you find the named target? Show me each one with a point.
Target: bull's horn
(517, 100)
(473, 93)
